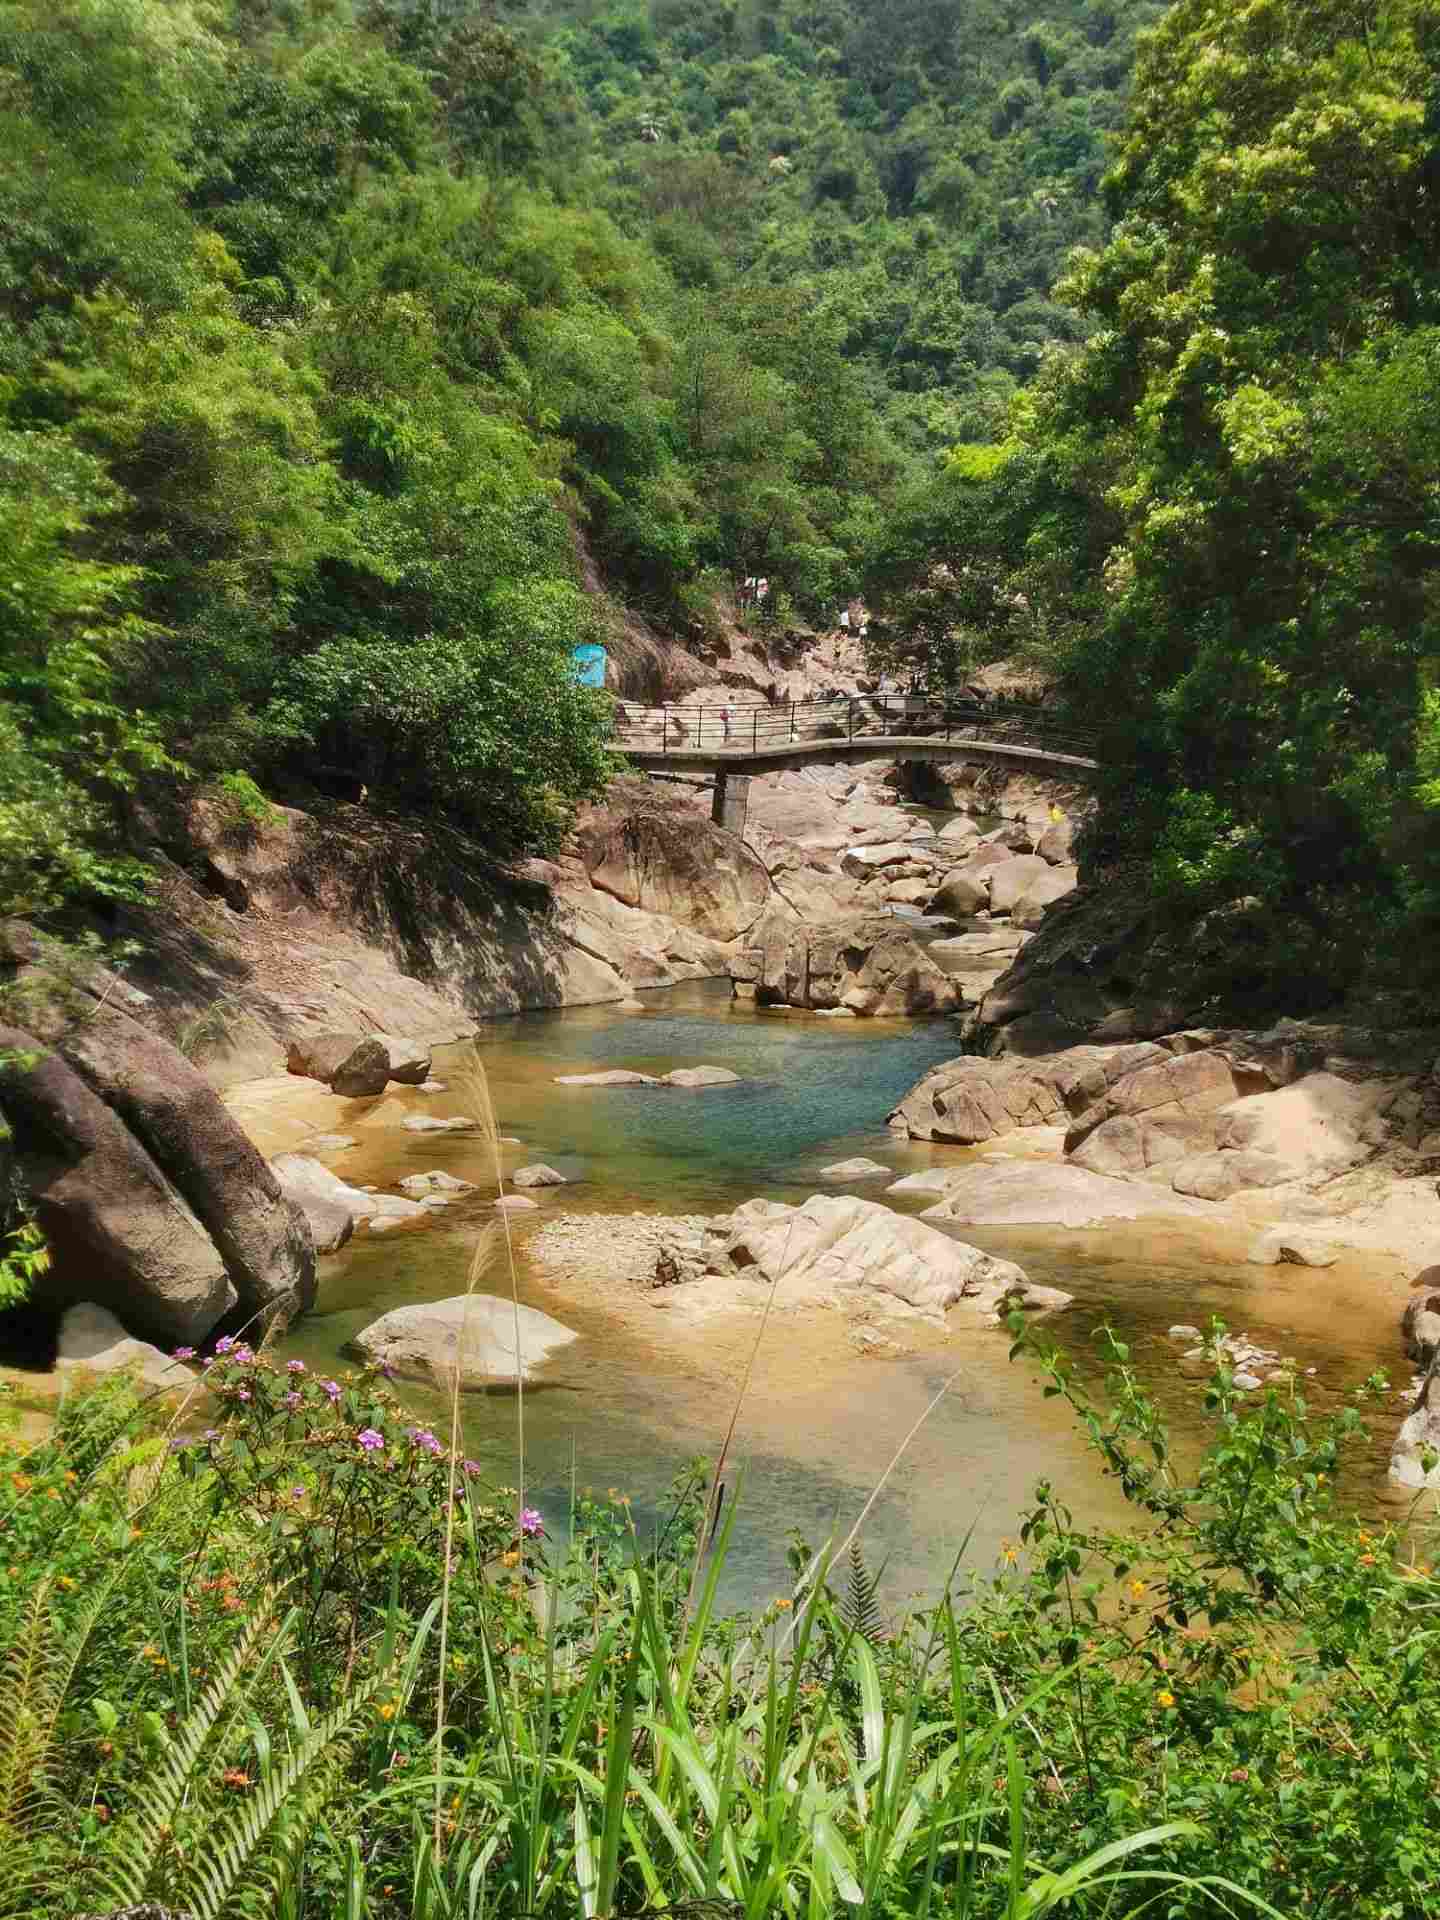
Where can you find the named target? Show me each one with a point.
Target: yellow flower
(1009, 1552)
(1320, 1479)
(20, 1482)
(510, 1559)
(71, 1478)
(1137, 1589)
(1164, 1698)
(386, 1709)
(66, 1581)
(783, 1605)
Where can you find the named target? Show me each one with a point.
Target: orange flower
(1164, 1698)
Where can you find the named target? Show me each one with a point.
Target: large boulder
(1420, 1323)
(701, 1077)
(977, 959)
(330, 1217)
(835, 1246)
(1029, 910)
(1022, 1194)
(655, 852)
(313, 1186)
(182, 1123)
(962, 894)
(353, 1064)
(1164, 1108)
(120, 1233)
(91, 1340)
(1011, 880)
(970, 1099)
(1057, 842)
(871, 964)
(1220, 1176)
(1415, 1459)
(357, 1065)
(475, 1332)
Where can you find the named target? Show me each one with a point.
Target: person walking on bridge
(725, 718)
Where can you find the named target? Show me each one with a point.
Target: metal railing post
(792, 723)
(664, 729)
(755, 730)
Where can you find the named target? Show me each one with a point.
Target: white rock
(537, 1176)
(330, 1142)
(515, 1203)
(859, 1169)
(1183, 1332)
(434, 1201)
(615, 1077)
(432, 1086)
(701, 1077)
(94, 1341)
(1246, 1382)
(477, 1332)
(425, 1123)
(833, 1246)
(435, 1181)
(1022, 1193)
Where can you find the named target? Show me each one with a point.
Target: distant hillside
(912, 171)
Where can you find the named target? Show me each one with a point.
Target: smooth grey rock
(92, 1340)
(537, 1176)
(612, 1077)
(515, 1203)
(701, 1077)
(859, 1169)
(436, 1181)
(1026, 1193)
(475, 1332)
(424, 1123)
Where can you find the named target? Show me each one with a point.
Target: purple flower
(212, 1433)
(184, 1353)
(243, 1356)
(331, 1387)
(530, 1521)
(294, 1366)
(179, 1444)
(472, 1467)
(224, 1344)
(370, 1439)
(292, 1400)
(244, 1394)
(297, 1493)
(423, 1438)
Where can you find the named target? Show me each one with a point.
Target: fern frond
(28, 1690)
(860, 1606)
(139, 1840)
(238, 1840)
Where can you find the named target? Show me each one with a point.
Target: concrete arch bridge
(732, 742)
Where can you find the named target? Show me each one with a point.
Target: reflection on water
(633, 1401)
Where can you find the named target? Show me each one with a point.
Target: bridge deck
(862, 746)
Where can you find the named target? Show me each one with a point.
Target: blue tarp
(590, 665)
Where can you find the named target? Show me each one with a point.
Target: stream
(637, 1399)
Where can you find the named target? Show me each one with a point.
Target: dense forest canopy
(324, 331)
(1216, 521)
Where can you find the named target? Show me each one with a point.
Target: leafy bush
(1230, 1707)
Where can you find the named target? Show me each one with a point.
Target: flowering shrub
(1242, 1684)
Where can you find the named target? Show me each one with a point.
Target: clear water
(638, 1397)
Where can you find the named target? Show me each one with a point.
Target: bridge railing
(717, 727)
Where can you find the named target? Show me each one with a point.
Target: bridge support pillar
(732, 801)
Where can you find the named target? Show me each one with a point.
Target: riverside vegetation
(331, 339)
(240, 1678)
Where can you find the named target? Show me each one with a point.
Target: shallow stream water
(637, 1398)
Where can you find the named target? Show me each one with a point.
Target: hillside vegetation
(1216, 521)
(323, 330)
